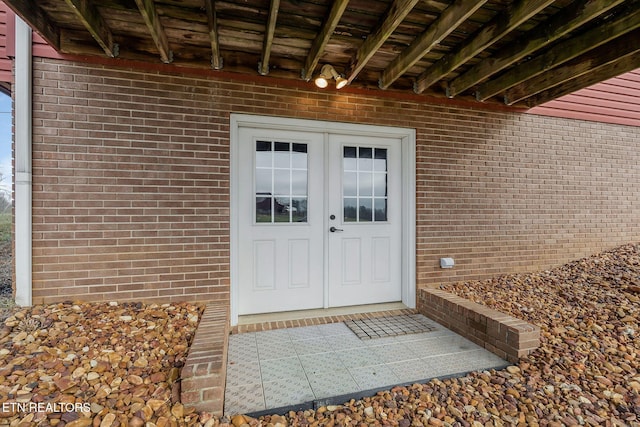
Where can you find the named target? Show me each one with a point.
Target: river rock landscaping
(122, 361)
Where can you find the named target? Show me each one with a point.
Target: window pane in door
(365, 213)
(299, 183)
(263, 209)
(350, 209)
(299, 156)
(364, 184)
(299, 209)
(380, 213)
(281, 182)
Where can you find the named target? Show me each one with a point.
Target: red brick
(498, 191)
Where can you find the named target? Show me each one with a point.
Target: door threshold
(288, 316)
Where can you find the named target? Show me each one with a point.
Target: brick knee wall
(500, 333)
(204, 372)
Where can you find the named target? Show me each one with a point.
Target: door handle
(333, 229)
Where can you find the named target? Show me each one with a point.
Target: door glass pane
(299, 209)
(281, 208)
(282, 155)
(380, 184)
(299, 183)
(350, 209)
(380, 209)
(365, 156)
(299, 156)
(364, 184)
(263, 182)
(263, 209)
(365, 210)
(281, 182)
(350, 159)
(380, 162)
(263, 154)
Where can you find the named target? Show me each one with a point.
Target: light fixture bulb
(321, 81)
(327, 72)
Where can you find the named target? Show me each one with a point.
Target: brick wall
(131, 181)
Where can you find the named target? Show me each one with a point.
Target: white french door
(318, 219)
(365, 232)
(281, 217)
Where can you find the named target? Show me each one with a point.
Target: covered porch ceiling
(518, 52)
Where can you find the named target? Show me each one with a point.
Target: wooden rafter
(212, 21)
(620, 66)
(321, 40)
(448, 21)
(591, 62)
(31, 13)
(151, 18)
(500, 26)
(563, 22)
(396, 14)
(561, 53)
(263, 67)
(93, 21)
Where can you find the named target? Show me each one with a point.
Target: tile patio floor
(303, 367)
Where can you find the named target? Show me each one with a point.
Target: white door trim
(407, 139)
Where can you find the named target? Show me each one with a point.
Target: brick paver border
(504, 335)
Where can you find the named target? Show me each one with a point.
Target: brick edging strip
(504, 335)
(204, 373)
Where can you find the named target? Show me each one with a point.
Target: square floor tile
(243, 399)
(242, 339)
(281, 369)
(242, 355)
(395, 352)
(375, 376)
(411, 370)
(243, 373)
(358, 357)
(274, 336)
(287, 392)
(322, 363)
(333, 384)
(304, 333)
(331, 329)
(275, 350)
(339, 342)
(312, 346)
(438, 333)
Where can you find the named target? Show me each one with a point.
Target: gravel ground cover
(104, 364)
(123, 361)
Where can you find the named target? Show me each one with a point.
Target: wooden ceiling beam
(500, 26)
(449, 20)
(619, 67)
(212, 22)
(150, 14)
(562, 53)
(93, 21)
(563, 22)
(591, 62)
(394, 17)
(263, 67)
(32, 14)
(321, 40)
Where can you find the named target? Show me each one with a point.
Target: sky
(5, 141)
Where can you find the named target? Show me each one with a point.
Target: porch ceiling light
(327, 73)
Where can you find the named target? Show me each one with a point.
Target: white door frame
(407, 139)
